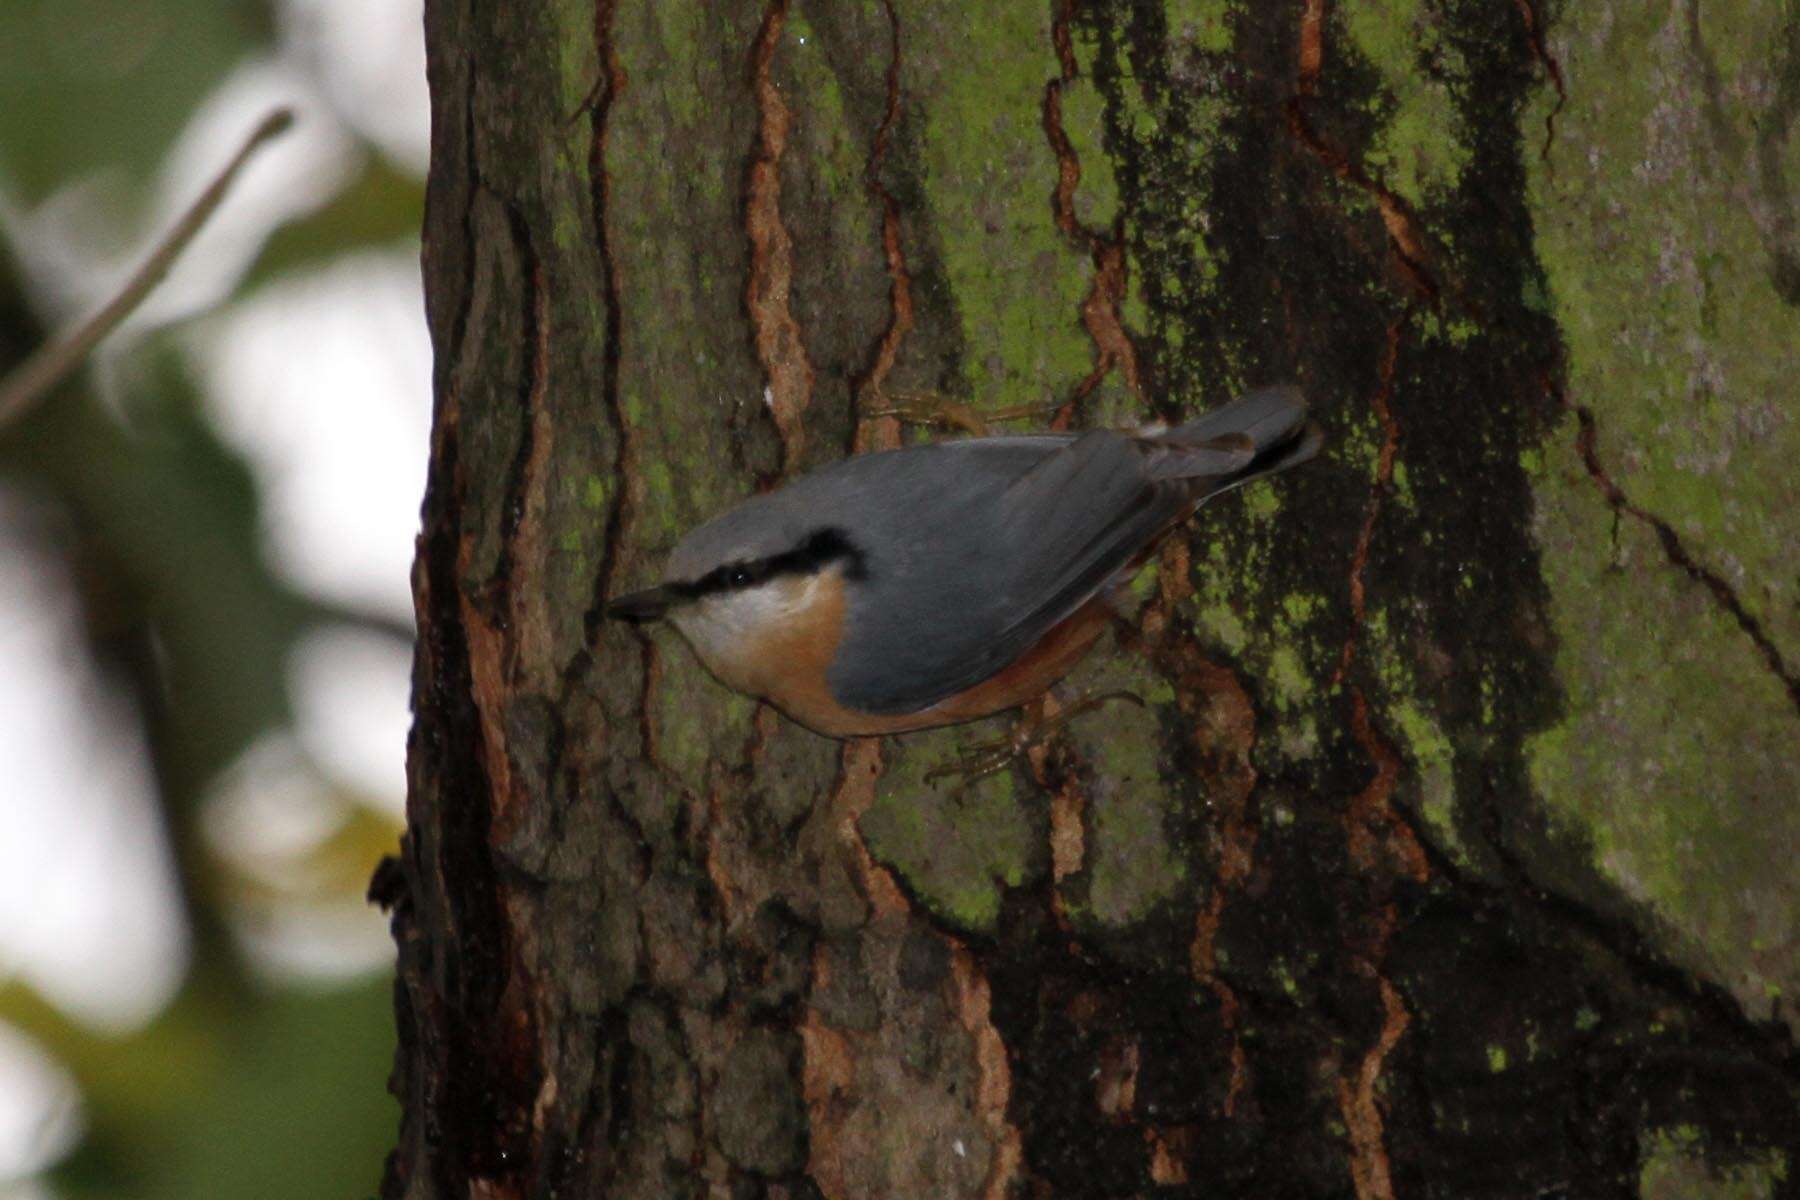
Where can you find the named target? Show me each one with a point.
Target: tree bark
(1451, 854)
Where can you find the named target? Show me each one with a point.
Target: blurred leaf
(177, 512)
(336, 868)
(91, 84)
(381, 207)
(181, 606)
(282, 1097)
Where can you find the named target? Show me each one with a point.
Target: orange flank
(789, 667)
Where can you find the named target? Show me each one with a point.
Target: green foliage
(89, 85)
(378, 208)
(278, 1095)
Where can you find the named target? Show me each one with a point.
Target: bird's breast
(780, 648)
(775, 641)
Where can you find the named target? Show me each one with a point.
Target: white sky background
(322, 382)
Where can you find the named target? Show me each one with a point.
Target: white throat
(729, 630)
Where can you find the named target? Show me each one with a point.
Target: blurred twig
(60, 356)
(326, 612)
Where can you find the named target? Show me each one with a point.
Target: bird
(940, 583)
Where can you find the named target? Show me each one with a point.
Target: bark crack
(610, 87)
(1371, 807)
(465, 292)
(1534, 33)
(837, 1117)
(1369, 1170)
(1233, 723)
(859, 767)
(1677, 553)
(1382, 846)
(883, 433)
(775, 333)
(828, 1071)
(464, 1069)
(502, 617)
(534, 339)
(993, 1089)
(474, 1013)
(1405, 239)
(1061, 774)
(1222, 724)
(1113, 347)
(1384, 475)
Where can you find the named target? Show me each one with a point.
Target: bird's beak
(646, 605)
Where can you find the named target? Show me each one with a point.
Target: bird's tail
(1257, 434)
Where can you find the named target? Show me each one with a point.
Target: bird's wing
(1009, 562)
(988, 551)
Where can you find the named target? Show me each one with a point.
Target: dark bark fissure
(918, 347)
(469, 1082)
(868, 387)
(1683, 559)
(611, 84)
(452, 937)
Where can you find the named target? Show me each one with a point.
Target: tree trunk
(1452, 853)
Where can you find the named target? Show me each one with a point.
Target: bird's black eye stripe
(727, 578)
(833, 545)
(820, 549)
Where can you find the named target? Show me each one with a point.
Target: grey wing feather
(1041, 546)
(1012, 543)
(1266, 416)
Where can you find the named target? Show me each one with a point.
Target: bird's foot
(1031, 733)
(933, 408)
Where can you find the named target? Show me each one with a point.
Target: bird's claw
(990, 758)
(933, 408)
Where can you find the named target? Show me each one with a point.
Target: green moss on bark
(1676, 757)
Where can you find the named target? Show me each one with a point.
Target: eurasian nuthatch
(940, 583)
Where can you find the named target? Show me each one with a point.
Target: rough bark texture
(1453, 852)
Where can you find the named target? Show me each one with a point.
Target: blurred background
(205, 622)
